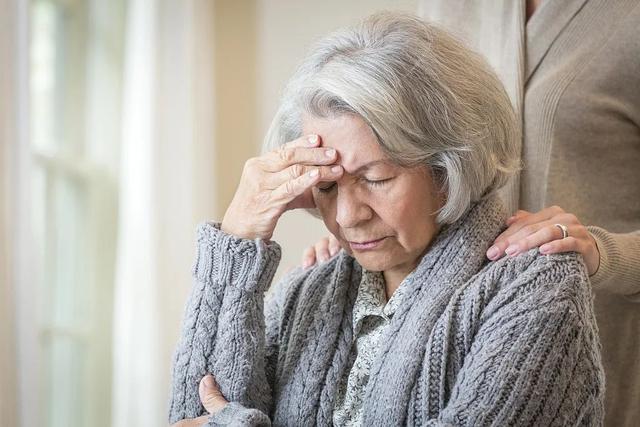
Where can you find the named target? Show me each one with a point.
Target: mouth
(367, 245)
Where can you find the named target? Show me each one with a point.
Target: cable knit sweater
(471, 343)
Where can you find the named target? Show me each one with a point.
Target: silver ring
(564, 229)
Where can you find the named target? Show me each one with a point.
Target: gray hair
(428, 99)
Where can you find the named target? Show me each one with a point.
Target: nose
(351, 210)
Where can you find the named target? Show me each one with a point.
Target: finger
(210, 395)
(525, 224)
(334, 245)
(544, 235)
(276, 179)
(518, 215)
(570, 244)
(200, 421)
(298, 151)
(322, 250)
(192, 422)
(294, 188)
(567, 219)
(507, 242)
(532, 218)
(308, 257)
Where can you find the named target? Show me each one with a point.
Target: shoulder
(533, 280)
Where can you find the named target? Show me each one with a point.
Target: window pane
(68, 236)
(44, 34)
(64, 368)
(74, 200)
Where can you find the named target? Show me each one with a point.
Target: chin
(372, 262)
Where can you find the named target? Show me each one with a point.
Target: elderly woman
(399, 137)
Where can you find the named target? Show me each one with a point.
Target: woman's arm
(535, 358)
(224, 330)
(619, 270)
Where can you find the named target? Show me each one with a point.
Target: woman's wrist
(242, 231)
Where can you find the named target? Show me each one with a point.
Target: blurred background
(125, 123)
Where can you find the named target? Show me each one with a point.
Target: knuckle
(556, 209)
(250, 164)
(287, 154)
(289, 188)
(296, 171)
(551, 233)
(571, 218)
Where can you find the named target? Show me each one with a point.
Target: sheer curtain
(13, 185)
(166, 188)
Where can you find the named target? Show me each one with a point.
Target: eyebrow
(369, 165)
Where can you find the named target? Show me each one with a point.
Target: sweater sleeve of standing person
(226, 331)
(619, 270)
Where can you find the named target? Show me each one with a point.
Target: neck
(393, 279)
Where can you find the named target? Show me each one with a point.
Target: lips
(366, 245)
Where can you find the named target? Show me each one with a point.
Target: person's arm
(619, 270)
(224, 330)
(535, 358)
(612, 260)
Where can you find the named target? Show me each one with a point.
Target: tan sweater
(573, 73)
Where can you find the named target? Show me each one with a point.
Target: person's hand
(212, 400)
(324, 249)
(528, 230)
(276, 182)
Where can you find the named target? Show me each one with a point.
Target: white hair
(428, 99)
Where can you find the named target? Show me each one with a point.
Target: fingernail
(511, 250)
(313, 173)
(313, 139)
(493, 252)
(208, 382)
(330, 153)
(336, 169)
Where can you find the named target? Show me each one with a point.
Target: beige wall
(258, 46)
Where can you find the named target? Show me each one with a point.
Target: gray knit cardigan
(473, 343)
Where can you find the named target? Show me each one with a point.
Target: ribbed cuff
(234, 414)
(619, 269)
(243, 263)
(604, 271)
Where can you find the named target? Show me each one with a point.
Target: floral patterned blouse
(371, 316)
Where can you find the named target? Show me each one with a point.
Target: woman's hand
(324, 249)
(529, 230)
(276, 182)
(212, 400)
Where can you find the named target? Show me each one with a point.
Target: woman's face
(382, 214)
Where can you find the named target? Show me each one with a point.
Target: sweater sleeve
(619, 270)
(224, 329)
(534, 361)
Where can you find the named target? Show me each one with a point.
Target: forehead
(352, 138)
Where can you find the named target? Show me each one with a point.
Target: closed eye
(377, 182)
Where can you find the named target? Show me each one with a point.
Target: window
(76, 71)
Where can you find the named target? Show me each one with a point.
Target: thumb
(210, 395)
